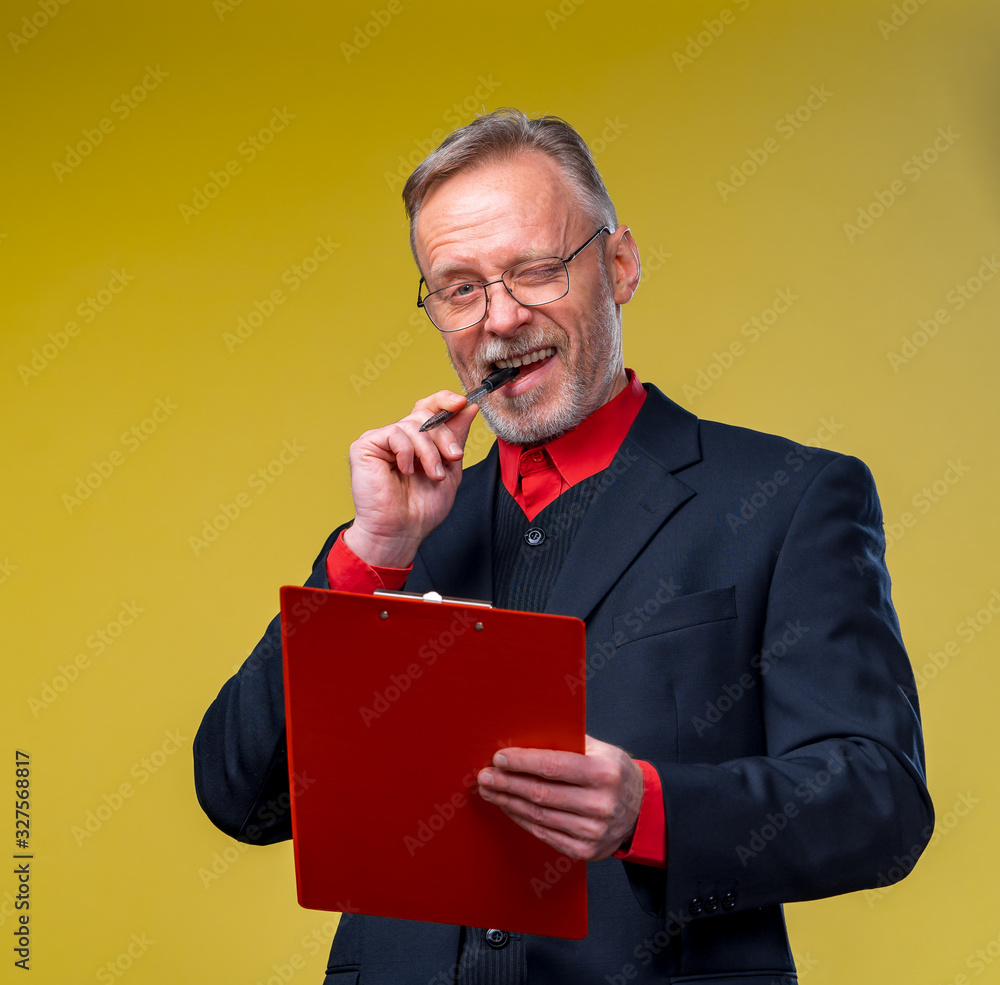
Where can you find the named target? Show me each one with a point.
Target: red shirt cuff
(649, 843)
(346, 572)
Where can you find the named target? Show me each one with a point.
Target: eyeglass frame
(500, 280)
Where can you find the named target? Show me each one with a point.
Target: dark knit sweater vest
(527, 558)
(528, 554)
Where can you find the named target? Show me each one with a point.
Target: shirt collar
(590, 446)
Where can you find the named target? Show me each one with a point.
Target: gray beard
(518, 423)
(530, 429)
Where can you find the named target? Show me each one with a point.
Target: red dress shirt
(536, 476)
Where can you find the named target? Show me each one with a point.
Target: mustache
(496, 349)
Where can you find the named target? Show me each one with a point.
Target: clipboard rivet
(383, 614)
(479, 626)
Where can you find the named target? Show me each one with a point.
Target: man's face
(473, 227)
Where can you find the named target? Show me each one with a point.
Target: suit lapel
(457, 558)
(625, 514)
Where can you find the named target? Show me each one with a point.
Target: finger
(449, 438)
(457, 429)
(584, 849)
(577, 824)
(528, 795)
(427, 407)
(400, 447)
(445, 444)
(551, 764)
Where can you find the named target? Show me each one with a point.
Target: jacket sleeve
(840, 790)
(240, 755)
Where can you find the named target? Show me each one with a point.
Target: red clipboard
(393, 705)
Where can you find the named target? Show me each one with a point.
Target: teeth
(531, 357)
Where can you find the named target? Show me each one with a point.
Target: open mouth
(529, 362)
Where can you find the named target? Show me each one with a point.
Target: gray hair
(499, 137)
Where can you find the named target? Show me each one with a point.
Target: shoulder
(668, 431)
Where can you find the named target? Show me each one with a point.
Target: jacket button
(497, 938)
(729, 901)
(696, 905)
(711, 904)
(534, 536)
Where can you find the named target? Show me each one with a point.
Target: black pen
(488, 385)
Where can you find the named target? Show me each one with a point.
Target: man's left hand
(583, 806)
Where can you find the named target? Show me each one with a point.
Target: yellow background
(202, 79)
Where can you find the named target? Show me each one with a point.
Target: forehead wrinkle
(501, 256)
(483, 221)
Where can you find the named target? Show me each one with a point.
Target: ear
(626, 268)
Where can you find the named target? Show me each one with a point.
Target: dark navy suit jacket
(741, 638)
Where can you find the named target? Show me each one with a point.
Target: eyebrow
(450, 273)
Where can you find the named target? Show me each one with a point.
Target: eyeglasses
(532, 283)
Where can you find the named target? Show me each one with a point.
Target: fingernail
(453, 449)
(499, 759)
(486, 777)
(439, 470)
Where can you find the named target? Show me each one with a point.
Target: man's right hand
(404, 482)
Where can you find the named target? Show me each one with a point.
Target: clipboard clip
(432, 597)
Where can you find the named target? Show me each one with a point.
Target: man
(753, 734)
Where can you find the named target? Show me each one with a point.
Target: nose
(504, 314)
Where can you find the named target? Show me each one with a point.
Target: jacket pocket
(342, 976)
(654, 617)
